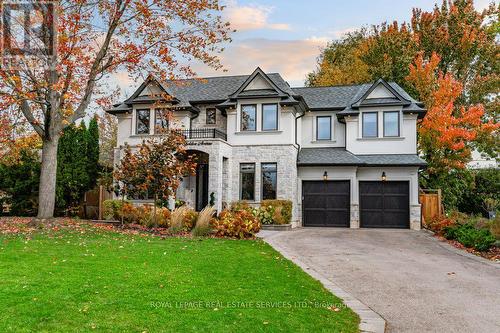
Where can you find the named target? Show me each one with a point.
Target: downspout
(296, 141)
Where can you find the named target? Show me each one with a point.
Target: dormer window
(391, 123)
(248, 117)
(142, 121)
(269, 117)
(323, 128)
(370, 125)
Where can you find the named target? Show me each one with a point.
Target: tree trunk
(48, 172)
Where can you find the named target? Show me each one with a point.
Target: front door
(201, 186)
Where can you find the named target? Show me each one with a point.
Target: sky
(287, 36)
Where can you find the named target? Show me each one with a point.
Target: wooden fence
(431, 204)
(92, 203)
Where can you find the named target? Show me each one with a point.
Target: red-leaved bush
(236, 224)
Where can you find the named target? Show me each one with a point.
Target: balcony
(204, 133)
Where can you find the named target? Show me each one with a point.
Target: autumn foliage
(447, 131)
(447, 58)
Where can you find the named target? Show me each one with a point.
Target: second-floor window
(161, 120)
(391, 123)
(370, 125)
(324, 128)
(248, 117)
(211, 116)
(142, 121)
(269, 117)
(247, 181)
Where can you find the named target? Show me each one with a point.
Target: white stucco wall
(308, 131)
(406, 143)
(284, 135)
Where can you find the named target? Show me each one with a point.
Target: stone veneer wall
(286, 158)
(201, 120)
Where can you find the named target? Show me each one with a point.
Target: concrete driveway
(417, 283)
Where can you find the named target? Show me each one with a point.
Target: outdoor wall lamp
(325, 176)
(384, 177)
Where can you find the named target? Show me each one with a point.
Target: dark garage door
(384, 204)
(326, 203)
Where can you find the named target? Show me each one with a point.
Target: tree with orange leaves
(447, 132)
(83, 41)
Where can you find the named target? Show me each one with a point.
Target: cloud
(293, 59)
(251, 17)
(337, 34)
(482, 4)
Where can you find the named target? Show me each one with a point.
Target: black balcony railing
(204, 133)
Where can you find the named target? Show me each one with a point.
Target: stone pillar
(354, 220)
(415, 218)
(215, 179)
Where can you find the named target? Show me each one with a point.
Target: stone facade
(415, 217)
(286, 158)
(354, 222)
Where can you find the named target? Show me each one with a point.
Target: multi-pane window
(324, 128)
(247, 181)
(269, 180)
(269, 117)
(370, 124)
(391, 123)
(161, 120)
(248, 117)
(211, 116)
(142, 121)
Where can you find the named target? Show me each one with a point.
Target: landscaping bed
(473, 234)
(99, 277)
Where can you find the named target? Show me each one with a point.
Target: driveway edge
(370, 321)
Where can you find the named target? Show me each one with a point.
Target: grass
(95, 280)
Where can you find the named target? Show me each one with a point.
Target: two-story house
(345, 156)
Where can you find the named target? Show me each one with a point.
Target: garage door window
(247, 181)
(269, 181)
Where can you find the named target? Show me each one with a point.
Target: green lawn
(96, 280)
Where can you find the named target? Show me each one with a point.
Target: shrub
(183, 218)
(265, 214)
(239, 224)
(129, 213)
(440, 223)
(112, 209)
(286, 208)
(495, 227)
(203, 227)
(469, 236)
(236, 206)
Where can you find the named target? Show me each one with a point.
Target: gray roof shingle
(328, 156)
(341, 156)
(393, 159)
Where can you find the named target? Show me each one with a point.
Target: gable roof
(398, 99)
(258, 72)
(224, 90)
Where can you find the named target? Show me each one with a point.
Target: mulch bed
(492, 254)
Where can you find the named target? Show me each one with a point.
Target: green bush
(112, 209)
(469, 236)
(265, 214)
(286, 208)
